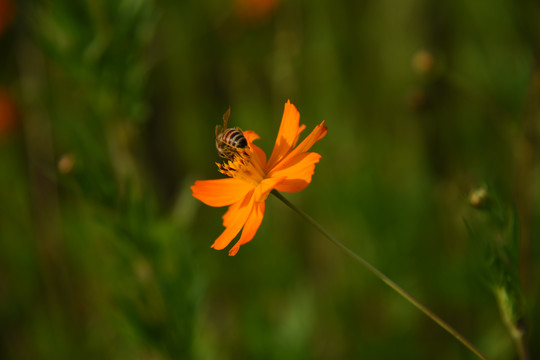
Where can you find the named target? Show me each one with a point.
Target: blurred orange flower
(252, 177)
(8, 113)
(255, 9)
(7, 14)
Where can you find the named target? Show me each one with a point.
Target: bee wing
(226, 117)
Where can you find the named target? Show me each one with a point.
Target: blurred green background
(107, 116)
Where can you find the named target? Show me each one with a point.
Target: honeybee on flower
(229, 141)
(251, 177)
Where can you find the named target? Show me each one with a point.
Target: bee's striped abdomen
(234, 138)
(229, 142)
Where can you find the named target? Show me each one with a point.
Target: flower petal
(220, 192)
(229, 216)
(250, 228)
(300, 129)
(287, 135)
(261, 156)
(235, 220)
(250, 135)
(298, 172)
(317, 134)
(265, 186)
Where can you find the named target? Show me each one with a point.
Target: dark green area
(104, 253)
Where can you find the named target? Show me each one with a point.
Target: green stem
(384, 278)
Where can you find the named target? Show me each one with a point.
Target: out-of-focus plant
(494, 229)
(107, 268)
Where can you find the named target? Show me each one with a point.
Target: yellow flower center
(243, 165)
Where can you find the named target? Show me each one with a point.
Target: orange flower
(7, 14)
(8, 112)
(252, 177)
(255, 9)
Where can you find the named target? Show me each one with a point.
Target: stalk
(384, 278)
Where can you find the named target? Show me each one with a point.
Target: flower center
(243, 165)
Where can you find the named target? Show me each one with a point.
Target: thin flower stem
(384, 278)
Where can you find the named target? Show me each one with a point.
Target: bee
(229, 140)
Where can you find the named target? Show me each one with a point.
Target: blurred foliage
(495, 232)
(107, 115)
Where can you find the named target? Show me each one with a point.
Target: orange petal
(287, 135)
(229, 216)
(235, 221)
(250, 228)
(265, 186)
(250, 135)
(317, 134)
(220, 192)
(298, 171)
(300, 129)
(261, 156)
